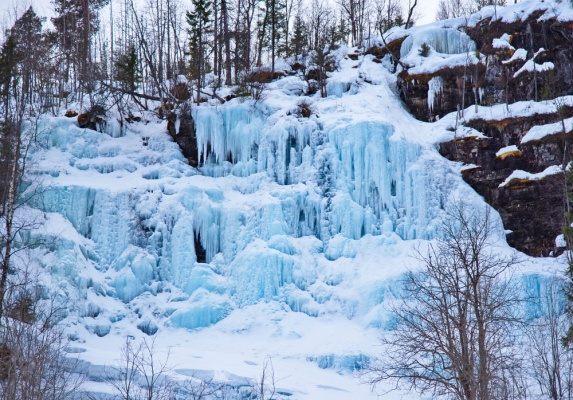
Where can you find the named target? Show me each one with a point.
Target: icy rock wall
(371, 182)
(435, 88)
(294, 185)
(102, 216)
(382, 187)
(231, 140)
(442, 40)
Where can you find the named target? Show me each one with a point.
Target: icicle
(435, 87)
(442, 40)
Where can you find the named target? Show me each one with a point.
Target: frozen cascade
(379, 184)
(228, 132)
(100, 215)
(233, 135)
(442, 40)
(435, 87)
(291, 238)
(296, 190)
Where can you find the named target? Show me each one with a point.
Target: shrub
(304, 109)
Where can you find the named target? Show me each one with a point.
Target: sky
(426, 8)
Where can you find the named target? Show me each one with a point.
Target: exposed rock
(495, 75)
(181, 91)
(265, 76)
(131, 119)
(90, 121)
(392, 48)
(185, 137)
(532, 209)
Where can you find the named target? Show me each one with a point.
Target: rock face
(185, 137)
(532, 209)
(498, 75)
(528, 59)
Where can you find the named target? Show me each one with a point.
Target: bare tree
(456, 321)
(550, 362)
(264, 387)
(140, 373)
(388, 15)
(357, 13)
(453, 9)
(33, 361)
(411, 18)
(198, 389)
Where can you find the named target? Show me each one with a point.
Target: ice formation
(442, 40)
(286, 218)
(227, 237)
(435, 87)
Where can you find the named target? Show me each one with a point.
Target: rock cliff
(526, 58)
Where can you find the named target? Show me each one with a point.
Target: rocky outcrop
(498, 74)
(531, 209)
(527, 59)
(185, 137)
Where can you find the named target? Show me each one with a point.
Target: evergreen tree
(9, 59)
(127, 69)
(31, 48)
(76, 22)
(271, 28)
(299, 42)
(342, 31)
(200, 29)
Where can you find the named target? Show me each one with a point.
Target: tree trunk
(10, 209)
(227, 40)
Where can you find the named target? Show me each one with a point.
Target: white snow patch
(502, 42)
(519, 174)
(531, 66)
(507, 149)
(560, 241)
(540, 131)
(520, 54)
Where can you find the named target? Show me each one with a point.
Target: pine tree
(9, 59)
(271, 28)
(76, 22)
(127, 69)
(299, 42)
(31, 48)
(200, 29)
(342, 30)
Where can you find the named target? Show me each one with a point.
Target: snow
(532, 66)
(503, 42)
(507, 149)
(538, 132)
(443, 129)
(519, 54)
(437, 63)
(442, 40)
(523, 175)
(307, 224)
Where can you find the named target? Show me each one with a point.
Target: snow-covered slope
(306, 223)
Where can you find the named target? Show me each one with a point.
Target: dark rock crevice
(185, 137)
